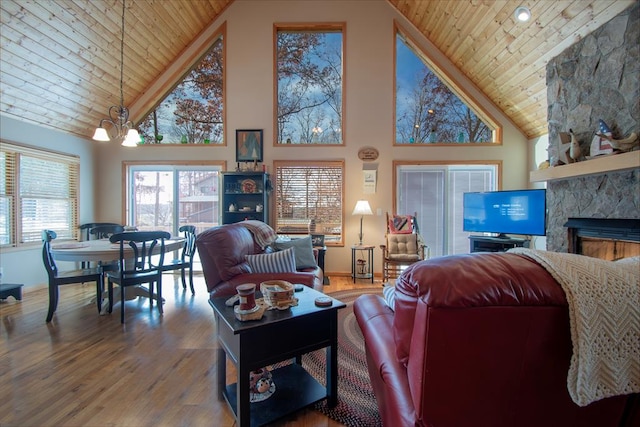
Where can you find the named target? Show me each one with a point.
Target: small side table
(358, 252)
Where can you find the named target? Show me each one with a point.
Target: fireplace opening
(605, 238)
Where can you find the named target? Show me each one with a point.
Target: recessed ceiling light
(522, 14)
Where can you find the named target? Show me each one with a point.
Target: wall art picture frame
(249, 145)
(317, 240)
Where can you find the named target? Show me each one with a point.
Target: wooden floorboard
(84, 369)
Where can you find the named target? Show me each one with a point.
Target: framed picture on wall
(317, 240)
(248, 145)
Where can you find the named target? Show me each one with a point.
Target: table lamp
(362, 208)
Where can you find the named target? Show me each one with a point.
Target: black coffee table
(278, 336)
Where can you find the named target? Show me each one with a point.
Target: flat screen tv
(506, 212)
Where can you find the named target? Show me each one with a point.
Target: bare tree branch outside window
(309, 80)
(192, 113)
(427, 110)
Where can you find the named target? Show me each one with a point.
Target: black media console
(496, 244)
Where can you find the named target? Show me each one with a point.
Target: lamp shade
(132, 139)
(101, 135)
(362, 208)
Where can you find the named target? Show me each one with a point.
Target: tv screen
(506, 212)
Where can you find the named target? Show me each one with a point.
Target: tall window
(309, 84)
(309, 198)
(434, 192)
(429, 108)
(168, 196)
(193, 113)
(38, 190)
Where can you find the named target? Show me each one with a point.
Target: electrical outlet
(379, 212)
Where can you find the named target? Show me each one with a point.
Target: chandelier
(121, 127)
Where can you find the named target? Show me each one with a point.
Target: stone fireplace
(596, 78)
(603, 238)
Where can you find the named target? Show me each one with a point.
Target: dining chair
(186, 258)
(58, 278)
(85, 233)
(104, 231)
(140, 261)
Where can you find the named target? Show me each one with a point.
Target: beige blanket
(604, 314)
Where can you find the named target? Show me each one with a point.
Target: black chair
(85, 233)
(86, 228)
(58, 278)
(136, 264)
(186, 258)
(104, 231)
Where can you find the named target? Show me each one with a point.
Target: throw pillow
(389, 294)
(401, 224)
(303, 250)
(276, 262)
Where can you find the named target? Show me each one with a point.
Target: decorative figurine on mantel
(604, 143)
(575, 152)
(600, 142)
(564, 158)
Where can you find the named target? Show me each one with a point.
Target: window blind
(310, 194)
(435, 193)
(40, 190)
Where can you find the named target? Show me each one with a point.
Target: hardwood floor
(83, 369)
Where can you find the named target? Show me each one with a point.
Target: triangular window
(429, 108)
(192, 113)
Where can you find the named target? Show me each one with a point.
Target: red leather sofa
(222, 252)
(477, 340)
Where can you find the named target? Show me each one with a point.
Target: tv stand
(501, 243)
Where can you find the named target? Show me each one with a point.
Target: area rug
(357, 405)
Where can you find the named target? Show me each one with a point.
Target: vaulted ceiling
(59, 63)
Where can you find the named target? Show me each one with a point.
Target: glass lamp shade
(101, 135)
(132, 139)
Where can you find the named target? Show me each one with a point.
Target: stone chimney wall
(596, 78)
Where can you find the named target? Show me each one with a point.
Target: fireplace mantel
(611, 163)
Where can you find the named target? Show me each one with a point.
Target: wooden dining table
(105, 251)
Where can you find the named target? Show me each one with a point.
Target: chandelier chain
(122, 57)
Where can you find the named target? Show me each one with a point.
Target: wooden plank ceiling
(60, 59)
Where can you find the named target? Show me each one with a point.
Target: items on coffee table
(248, 308)
(278, 294)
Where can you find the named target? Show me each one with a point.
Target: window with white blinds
(309, 198)
(38, 190)
(434, 192)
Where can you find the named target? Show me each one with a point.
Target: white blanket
(604, 315)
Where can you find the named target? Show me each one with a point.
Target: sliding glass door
(166, 197)
(434, 192)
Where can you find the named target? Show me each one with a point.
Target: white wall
(368, 116)
(24, 265)
(538, 154)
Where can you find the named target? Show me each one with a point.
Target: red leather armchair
(477, 340)
(222, 251)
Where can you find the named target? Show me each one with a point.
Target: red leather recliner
(477, 340)
(222, 251)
